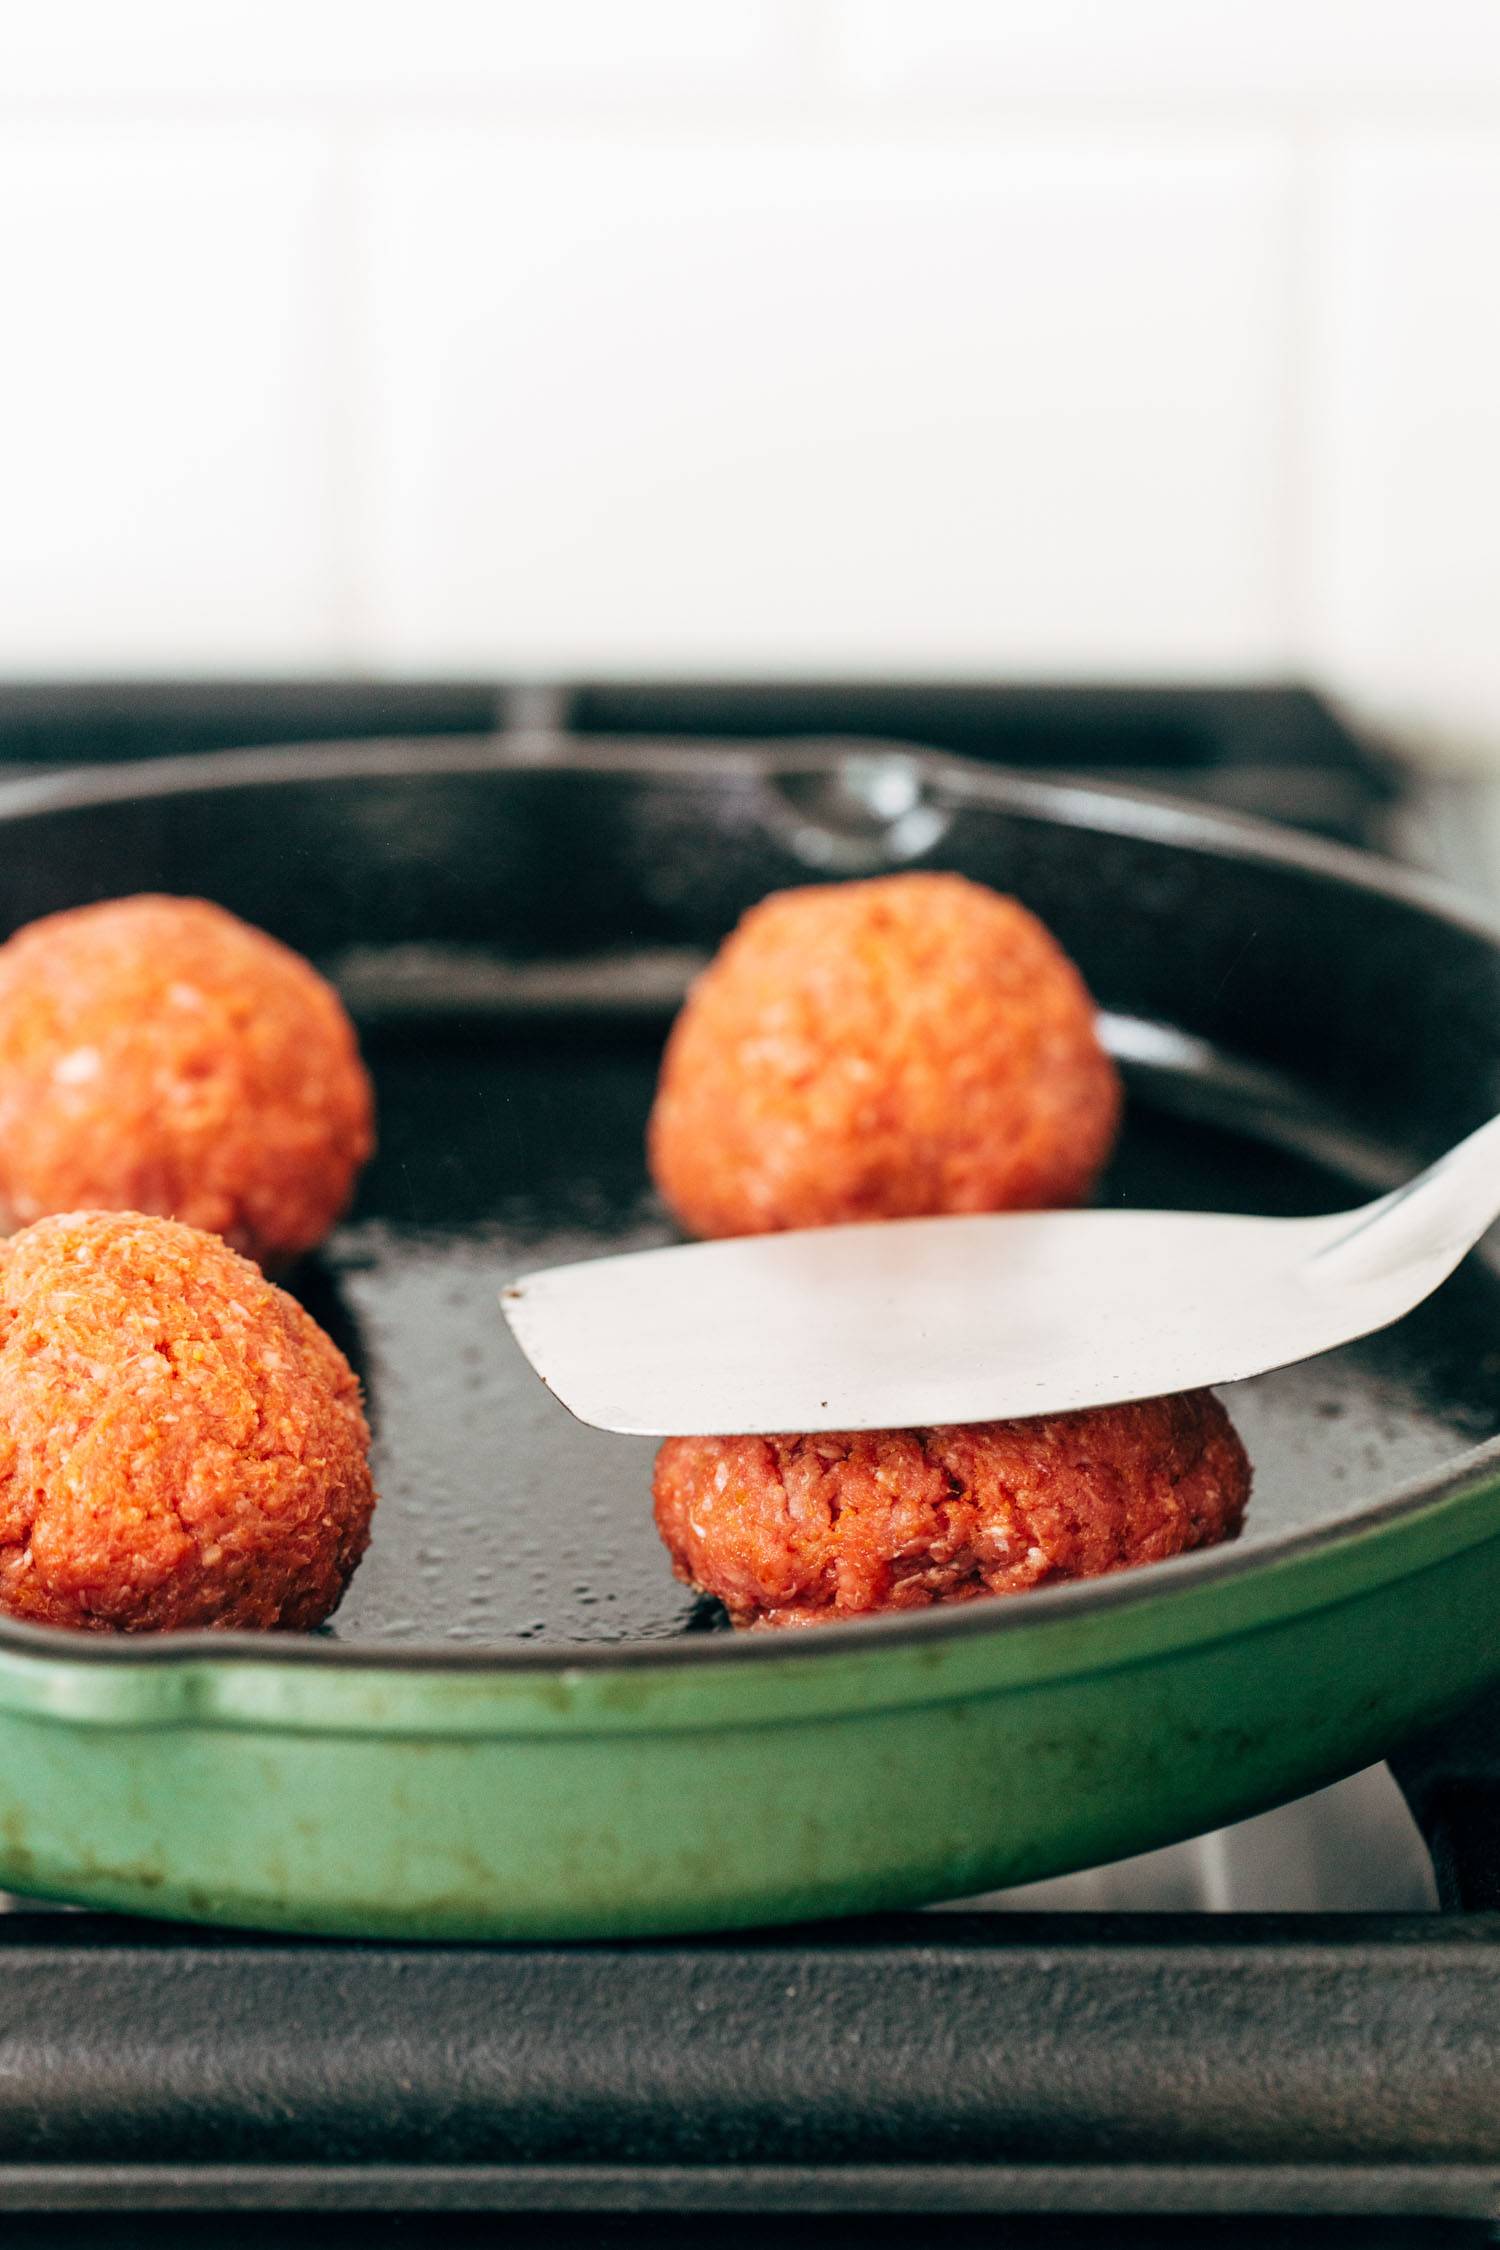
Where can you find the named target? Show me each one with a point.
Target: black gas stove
(988, 2059)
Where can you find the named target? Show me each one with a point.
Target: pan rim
(1107, 808)
(1111, 807)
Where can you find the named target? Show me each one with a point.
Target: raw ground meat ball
(798, 1530)
(158, 1055)
(884, 1049)
(180, 1443)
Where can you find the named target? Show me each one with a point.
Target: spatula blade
(924, 1321)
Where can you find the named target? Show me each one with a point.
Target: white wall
(963, 336)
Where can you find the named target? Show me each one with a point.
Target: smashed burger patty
(800, 1530)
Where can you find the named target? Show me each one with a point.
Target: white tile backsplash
(166, 396)
(332, 49)
(1311, 55)
(1404, 590)
(785, 405)
(882, 335)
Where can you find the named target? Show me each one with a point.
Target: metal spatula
(918, 1321)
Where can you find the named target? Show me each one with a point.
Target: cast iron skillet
(520, 1725)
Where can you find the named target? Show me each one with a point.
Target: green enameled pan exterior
(675, 1795)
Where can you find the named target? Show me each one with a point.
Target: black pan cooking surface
(502, 1518)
